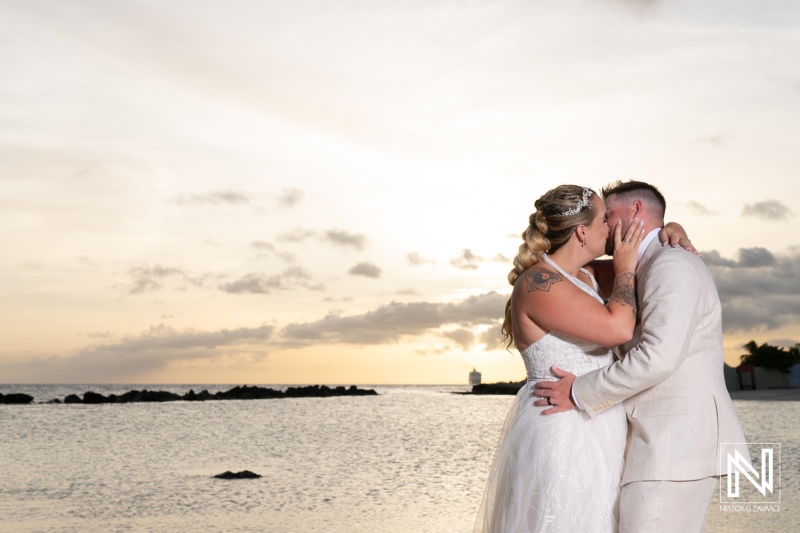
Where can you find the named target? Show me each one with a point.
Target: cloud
(415, 259)
(32, 265)
(263, 246)
(783, 343)
(336, 237)
(268, 249)
(719, 141)
(768, 210)
(297, 235)
(491, 337)
(290, 197)
(345, 239)
(136, 356)
(342, 299)
(760, 291)
(748, 258)
(434, 350)
(467, 260)
(365, 269)
(408, 292)
(88, 262)
(391, 322)
(151, 278)
(260, 283)
(637, 6)
(699, 209)
(100, 335)
(462, 336)
(215, 198)
(756, 257)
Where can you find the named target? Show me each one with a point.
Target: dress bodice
(567, 353)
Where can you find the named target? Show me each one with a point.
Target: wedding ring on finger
(626, 240)
(548, 401)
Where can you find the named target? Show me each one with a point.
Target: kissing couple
(619, 426)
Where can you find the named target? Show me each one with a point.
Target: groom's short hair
(638, 190)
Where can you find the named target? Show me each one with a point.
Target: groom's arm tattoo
(541, 280)
(625, 291)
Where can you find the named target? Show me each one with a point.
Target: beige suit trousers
(666, 506)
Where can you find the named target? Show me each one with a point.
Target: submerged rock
(244, 474)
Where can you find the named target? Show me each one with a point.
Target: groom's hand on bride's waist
(555, 393)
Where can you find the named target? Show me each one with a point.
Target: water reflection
(411, 459)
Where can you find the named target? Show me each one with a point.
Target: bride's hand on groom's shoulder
(557, 394)
(674, 235)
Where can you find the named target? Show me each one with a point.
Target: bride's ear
(580, 231)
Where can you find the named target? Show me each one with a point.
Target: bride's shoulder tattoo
(541, 280)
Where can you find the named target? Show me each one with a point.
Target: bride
(562, 474)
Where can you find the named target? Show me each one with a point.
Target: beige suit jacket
(670, 375)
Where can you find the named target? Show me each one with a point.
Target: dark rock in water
(244, 474)
(54, 400)
(72, 398)
(148, 396)
(243, 392)
(355, 391)
(510, 387)
(203, 396)
(248, 393)
(323, 391)
(15, 398)
(93, 397)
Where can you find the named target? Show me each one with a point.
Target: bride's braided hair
(549, 228)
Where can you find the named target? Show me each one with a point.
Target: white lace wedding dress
(562, 472)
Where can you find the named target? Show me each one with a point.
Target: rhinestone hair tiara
(587, 193)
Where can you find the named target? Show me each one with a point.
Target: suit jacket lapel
(649, 252)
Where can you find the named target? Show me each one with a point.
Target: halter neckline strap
(571, 277)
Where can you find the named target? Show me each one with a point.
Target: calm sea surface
(413, 459)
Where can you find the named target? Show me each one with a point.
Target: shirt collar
(647, 240)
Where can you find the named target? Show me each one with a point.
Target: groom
(669, 376)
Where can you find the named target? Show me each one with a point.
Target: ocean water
(413, 459)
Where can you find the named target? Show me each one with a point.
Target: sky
(332, 192)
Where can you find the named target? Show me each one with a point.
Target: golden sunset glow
(332, 192)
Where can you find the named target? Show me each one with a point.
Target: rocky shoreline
(237, 393)
(503, 387)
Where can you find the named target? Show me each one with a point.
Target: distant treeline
(768, 356)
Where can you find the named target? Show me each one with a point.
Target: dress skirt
(555, 473)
